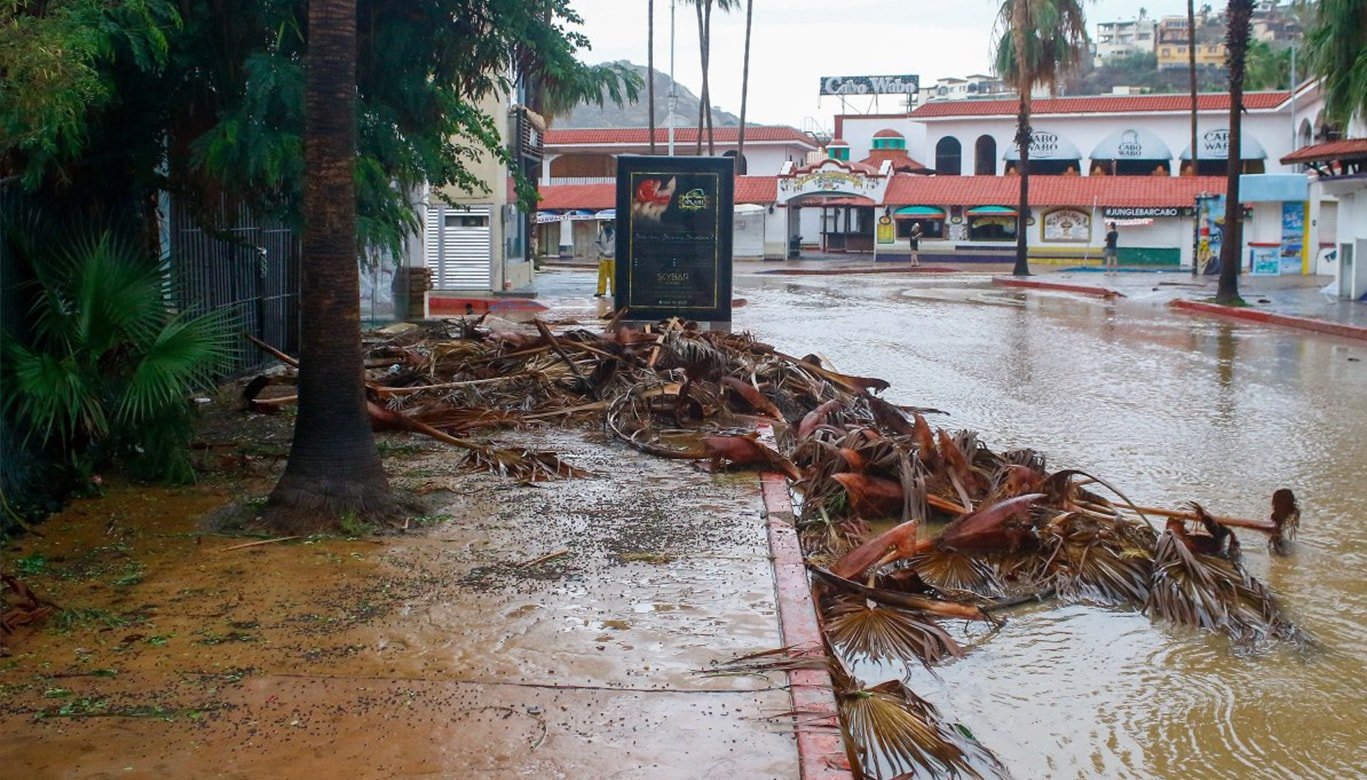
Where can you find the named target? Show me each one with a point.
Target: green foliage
(1266, 67)
(105, 374)
(57, 64)
(206, 98)
(1055, 41)
(1337, 44)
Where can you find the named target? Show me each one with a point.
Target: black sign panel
(674, 218)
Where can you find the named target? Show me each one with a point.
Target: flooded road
(1171, 409)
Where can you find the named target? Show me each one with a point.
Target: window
(466, 220)
(985, 156)
(992, 228)
(949, 157)
(930, 228)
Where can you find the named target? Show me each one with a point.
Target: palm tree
(1337, 43)
(650, 68)
(744, 89)
(333, 469)
(704, 13)
(1231, 246)
(1041, 41)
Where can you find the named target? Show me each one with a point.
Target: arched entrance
(831, 207)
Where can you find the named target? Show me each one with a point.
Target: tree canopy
(117, 100)
(1338, 50)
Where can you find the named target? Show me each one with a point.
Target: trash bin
(794, 247)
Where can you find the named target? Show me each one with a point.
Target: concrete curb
(820, 749)
(1080, 289)
(1272, 318)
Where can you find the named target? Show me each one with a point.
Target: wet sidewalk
(554, 630)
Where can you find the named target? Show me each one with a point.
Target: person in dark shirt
(916, 233)
(1112, 236)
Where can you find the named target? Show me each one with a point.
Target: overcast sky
(795, 42)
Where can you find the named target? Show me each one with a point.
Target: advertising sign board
(870, 85)
(674, 237)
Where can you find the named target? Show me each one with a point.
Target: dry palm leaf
(861, 628)
(1213, 593)
(893, 731)
(954, 572)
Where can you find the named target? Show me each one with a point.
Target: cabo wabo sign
(870, 85)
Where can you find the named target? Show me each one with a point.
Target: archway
(985, 156)
(744, 163)
(949, 157)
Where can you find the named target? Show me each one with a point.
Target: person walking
(916, 233)
(1112, 236)
(607, 253)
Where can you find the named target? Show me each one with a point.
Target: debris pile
(904, 526)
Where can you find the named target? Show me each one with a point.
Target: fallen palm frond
(873, 480)
(860, 628)
(1211, 592)
(894, 731)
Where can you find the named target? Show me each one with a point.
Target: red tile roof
(1331, 150)
(595, 197)
(756, 189)
(640, 136)
(907, 190)
(901, 161)
(1132, 191)
(1098, 104)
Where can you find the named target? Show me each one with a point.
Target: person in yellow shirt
(607, 252)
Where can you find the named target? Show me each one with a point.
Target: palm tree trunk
(1191, 72)
(1232, 243)
(650, 68)
(702, 59)
(706, 81)
(333, 468)
(744, 89)
(1020, 23)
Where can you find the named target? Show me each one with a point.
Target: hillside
(637, 114)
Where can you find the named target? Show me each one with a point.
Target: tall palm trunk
(333, 468)
(650, 68)
(744, 89)
(706, 79)
(1232, 243)
(1020, 23)
(702, 58)
(1191, 72)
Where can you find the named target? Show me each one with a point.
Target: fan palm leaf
(894, 731)
(861, 628)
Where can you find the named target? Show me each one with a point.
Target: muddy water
(1172, 409)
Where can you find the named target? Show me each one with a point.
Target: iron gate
(250, 268)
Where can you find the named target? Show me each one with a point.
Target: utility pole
(1294, 139)
(673, 88)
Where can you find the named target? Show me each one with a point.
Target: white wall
(1272, 129)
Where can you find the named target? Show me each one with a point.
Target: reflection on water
(1172, 409)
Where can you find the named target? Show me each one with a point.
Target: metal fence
(250, 268)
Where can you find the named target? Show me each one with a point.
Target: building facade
(1124, 38)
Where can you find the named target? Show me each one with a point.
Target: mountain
(637, 114)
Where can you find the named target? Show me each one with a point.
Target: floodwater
(1171, 409)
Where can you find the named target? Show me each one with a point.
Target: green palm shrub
(105, 373)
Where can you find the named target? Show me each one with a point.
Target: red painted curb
(820, 750)
(924, 269)
(1272, 318)
(1080, 289)
(439, 305)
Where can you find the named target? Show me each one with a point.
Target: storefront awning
(1045, 145)
(1214, 145)
(606, 215)
(991, 211)
(922, 212)
(542, 217)
(1131, 144)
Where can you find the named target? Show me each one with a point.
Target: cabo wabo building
(950, 166)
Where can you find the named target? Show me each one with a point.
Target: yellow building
(1174, 55)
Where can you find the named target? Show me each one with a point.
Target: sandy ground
(556, 631)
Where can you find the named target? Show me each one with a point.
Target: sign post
(675, 219)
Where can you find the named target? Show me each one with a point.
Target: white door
(459, 247)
